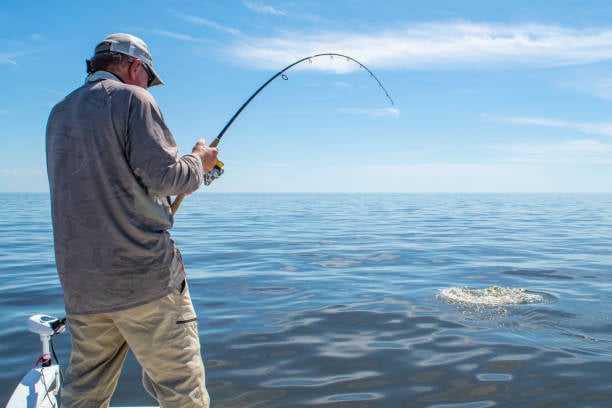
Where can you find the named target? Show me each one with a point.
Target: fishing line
(217, 171)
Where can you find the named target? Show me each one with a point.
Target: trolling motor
(217, 171)
(46, 327)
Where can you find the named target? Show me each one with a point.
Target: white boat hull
(37, 389)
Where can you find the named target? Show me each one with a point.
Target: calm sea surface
(332, 300)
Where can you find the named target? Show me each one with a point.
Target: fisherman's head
(126, 56)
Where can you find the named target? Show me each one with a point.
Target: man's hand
(207, 154)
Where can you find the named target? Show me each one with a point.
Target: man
(112, 166)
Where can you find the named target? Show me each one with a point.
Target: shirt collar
(100, 75)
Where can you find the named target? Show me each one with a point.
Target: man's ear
(133, 69)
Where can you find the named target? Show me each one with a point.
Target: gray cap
(129, 45)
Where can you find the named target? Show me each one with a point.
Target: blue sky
(489, 96)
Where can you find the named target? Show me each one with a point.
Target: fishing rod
(217, 171)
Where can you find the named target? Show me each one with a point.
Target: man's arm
(153, 152)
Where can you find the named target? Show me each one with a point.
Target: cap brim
(157, 80)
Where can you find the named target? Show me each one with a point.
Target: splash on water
(491, 296)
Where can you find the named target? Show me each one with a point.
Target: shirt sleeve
(153, 154)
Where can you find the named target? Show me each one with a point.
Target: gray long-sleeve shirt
(112, 165)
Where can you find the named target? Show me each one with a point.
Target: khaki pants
(163, 335)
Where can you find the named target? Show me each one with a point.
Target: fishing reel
(214, 174)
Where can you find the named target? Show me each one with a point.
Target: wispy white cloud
(12, 57)
(438, 177)
(416, 177)
(208, 23)
(261, 8)
(594, 84)
(373, 112)
(55, 92)
(523, 120)
(438, 45)
(569, 152)
(603, 129)
(7, 58)
(180, 36)
(26, 45)
(555, 167)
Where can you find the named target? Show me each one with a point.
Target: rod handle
(177, 202)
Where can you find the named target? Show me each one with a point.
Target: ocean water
(340, 300)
